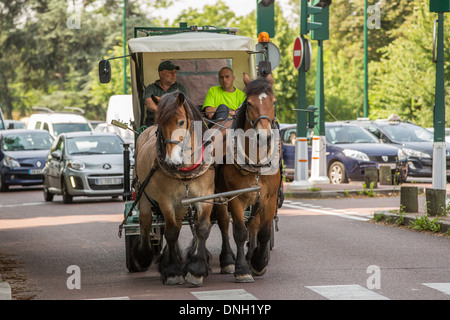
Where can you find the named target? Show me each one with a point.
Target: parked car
(59, 122)
(23, 155)
(15, 124)
(350, 150)
(84, 164)
(416, 141)
(446, 132)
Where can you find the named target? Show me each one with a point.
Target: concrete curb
(306, 194)
(5, 290)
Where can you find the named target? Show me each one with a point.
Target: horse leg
(253, 227)
(226, 257)
(197, 265)
(260, 256)
(141, 252)
(170, 264)
(242, 271)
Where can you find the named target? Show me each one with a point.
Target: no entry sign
(298, 52)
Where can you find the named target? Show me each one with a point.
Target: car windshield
(348, 134)
(27, 141)
(59, 128)
(406, 132)
(94, 145)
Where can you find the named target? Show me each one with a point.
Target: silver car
(84, 164)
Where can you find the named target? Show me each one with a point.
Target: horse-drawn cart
(164, 200)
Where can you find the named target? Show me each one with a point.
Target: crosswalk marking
(443, 287)
(346, 292)
(233, 294)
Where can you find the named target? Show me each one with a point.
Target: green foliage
(45, 63)
(424, 224)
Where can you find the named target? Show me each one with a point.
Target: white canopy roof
(191, 41)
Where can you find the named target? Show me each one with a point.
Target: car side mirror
(104, 71)
(57, 154)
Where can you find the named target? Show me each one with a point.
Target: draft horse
(168, 157)
(256, 114)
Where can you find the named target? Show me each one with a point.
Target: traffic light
(319, 24)
(265, 17)
(312, 116)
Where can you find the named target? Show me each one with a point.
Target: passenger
(224, 99)
(167, 83)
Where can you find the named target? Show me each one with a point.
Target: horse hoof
(227, 269)
(258, 273)
(175, 280)
(195, 281)
(243, 278)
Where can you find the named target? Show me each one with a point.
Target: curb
(445, 225)
(335, 193)
(5, 290)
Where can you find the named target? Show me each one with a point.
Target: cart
(200, 52)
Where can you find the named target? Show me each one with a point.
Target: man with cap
(166, 83)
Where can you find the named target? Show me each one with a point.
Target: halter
(254, 123)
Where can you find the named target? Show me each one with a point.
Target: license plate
(108, 181)
(390, 165)
(35, 171)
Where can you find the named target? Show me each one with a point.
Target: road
(325, 249)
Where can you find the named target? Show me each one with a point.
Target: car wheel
(3, 186)
(47, 195)
(67, 198)
(337, 173)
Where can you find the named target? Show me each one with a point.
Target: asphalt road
(325, 249)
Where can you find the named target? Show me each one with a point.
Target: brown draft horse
(258, 114)
(161, 153)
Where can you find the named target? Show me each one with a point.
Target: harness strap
(138, 196)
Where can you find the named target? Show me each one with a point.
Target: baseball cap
(167, 65)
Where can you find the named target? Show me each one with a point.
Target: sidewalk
(356, 188)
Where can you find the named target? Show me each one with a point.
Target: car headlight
(416, 153)
(10, 162)
(358, 155)
(76, 164)
(401, 155)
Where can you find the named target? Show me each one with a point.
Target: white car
(84, 164)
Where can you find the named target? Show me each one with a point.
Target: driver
(167, 83)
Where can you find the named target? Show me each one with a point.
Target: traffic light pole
(439, 146)
(301, 144)
(318, 156)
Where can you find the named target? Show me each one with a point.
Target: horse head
(260, 110)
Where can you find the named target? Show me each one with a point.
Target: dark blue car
(350, 150)
(23, 154)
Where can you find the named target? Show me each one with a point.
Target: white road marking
(234, 294)
(343, 215)
(443, 287)
(346, 292)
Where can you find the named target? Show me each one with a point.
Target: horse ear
(180, 98)
(155, 99)
(270, 79)
(246, 79)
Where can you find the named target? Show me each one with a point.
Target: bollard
(385, 175)
(435, 201)
(409, 201)
(371, 175)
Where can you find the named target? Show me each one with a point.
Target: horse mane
(168, 106)
(258, 86)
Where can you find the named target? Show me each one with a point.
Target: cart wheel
(129, 242)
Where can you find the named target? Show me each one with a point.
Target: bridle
(255, 122)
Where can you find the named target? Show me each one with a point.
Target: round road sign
(298, 52)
